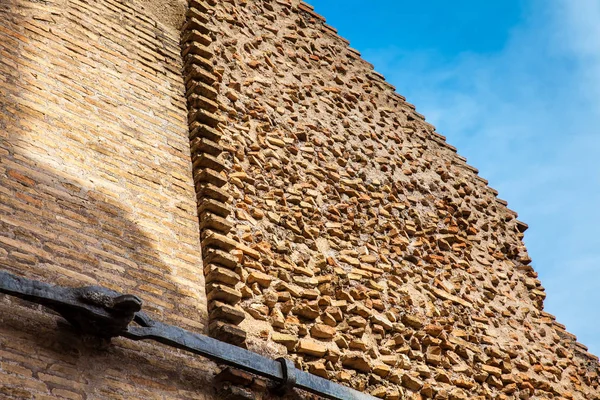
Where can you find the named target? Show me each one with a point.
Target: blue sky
(515, 85)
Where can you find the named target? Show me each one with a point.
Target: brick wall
(96, 188)
(368, 250)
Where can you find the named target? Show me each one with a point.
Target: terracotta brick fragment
(310, 347)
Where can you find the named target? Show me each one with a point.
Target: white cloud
(582, 34)
(529, 118)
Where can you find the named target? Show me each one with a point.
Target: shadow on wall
(94, 159)
(57, 226)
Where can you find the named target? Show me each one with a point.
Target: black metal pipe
(103, 312)
(237, 357)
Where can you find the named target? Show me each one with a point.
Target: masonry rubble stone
(389, 258)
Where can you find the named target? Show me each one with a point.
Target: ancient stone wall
(336, 227)
(96, 188)
(346, 233)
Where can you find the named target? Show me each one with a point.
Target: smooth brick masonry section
(96, 188)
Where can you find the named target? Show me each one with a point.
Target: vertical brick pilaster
(214, 202)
